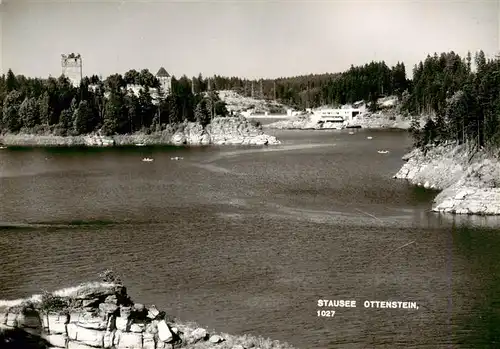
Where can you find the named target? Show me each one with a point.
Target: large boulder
(199, 334)
(55, 323)
(94, 338)
(92, 321)
(127, 340)
(164, 333)
(179, 139)
(56, 340)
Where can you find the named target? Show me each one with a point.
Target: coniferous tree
(172, 107)
(112, 113)
(146, 108)
(11, 81)
(463, 105)
(132, 110)
(44, 111)
(65, 121)
(202, 115)
(82, 118)
(10, 112)
(28, 113)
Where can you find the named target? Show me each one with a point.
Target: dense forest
(461, 104)
(464, 104)
(55, 106)
(366, 82)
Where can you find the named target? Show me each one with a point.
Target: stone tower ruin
(71, 65)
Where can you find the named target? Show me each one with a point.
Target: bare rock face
(215, 339)
(56, 340)
(164, 333)
(197, 335)
(104, 318)
(98, 141)
(469, 185)
(179, 139)
(301, 123)
(91, 321)
(55, 323)
(236, 131)
(87, 336)
(127, 340)
(222, 131)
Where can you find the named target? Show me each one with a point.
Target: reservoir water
(248, 239)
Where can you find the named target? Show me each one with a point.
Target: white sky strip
(240, 38)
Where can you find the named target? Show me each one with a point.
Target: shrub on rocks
(53, 304)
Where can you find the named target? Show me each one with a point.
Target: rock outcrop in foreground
(222, 130)
(102, 315)
(470, 183)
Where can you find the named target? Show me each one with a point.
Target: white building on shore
(335, 115)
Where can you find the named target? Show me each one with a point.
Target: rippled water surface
(247, 239)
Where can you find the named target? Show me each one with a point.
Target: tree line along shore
(459, 103)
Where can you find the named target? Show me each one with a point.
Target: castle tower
(165, 80)
(71, 66)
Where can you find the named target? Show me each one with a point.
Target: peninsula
(137, 108)
(457, 151)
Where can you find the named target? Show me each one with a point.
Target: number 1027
(326, 313)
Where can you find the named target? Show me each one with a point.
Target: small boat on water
(177, 158)
(140, 144)
(147, 159)
(382, 151)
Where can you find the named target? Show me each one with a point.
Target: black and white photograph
(249, 174)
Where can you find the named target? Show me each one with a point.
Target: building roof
(162, 73)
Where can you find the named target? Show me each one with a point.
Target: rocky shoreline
(102, 315)
(221, 131)
(368, 121)
(302, 122)
(382, 120)
(469, 182)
